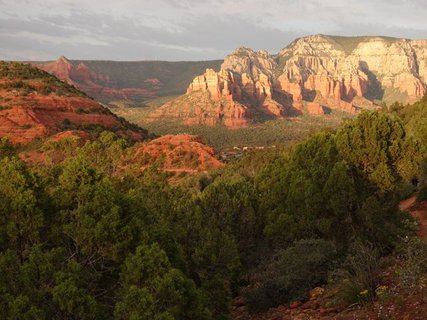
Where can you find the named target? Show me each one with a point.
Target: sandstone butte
(36, 105)
(311, 75)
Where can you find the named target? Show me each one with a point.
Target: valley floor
(283, 132)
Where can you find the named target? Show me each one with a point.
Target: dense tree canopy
(84, 240)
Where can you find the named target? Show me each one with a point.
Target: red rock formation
(409, 84)
(198, 108)
(176, 153)
(339, 70)
(233, 99)
(218, 85)
(97, 85)
(294, 89)
(324, 70)
(315, 109)
(329, 87)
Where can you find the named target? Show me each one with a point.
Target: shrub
(413, 272)
(20, 85)
(359, 277)
(66, 122)
(299, 268)
(6, 148)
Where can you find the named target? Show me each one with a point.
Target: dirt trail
(418, 211)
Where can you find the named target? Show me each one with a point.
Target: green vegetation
(20, 77)
(348, 44)
(17, 70)
(302, 266)
(23, 87)
(272, 132)
(88, 238)
(358, 279)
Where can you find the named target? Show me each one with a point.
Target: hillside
(312, 75)
(308, 232)
(121, 83)
(174, 153)
(35, 104)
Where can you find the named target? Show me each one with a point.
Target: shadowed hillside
(121, 83)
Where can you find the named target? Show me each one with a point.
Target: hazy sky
(190, 29)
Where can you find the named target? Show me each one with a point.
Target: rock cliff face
(340, 69)
(309, 75)
(242, 90)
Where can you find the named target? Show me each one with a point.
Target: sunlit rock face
(310, 75)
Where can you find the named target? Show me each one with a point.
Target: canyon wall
(312, 74)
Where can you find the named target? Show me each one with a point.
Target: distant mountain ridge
(126, 83)
(311, 75)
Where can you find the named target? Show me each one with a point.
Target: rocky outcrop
(234, 96)
(175, 153)
(199, 108)
(339, 68)
(218, 84)
(315, 109)
(294, 89)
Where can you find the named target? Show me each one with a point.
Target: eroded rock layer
(312, 74)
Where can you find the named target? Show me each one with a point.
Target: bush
(20, 85)
(413, 272)
(66, 122)
(422, 193)
(299, 268)
(359, 278)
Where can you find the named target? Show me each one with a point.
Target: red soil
(176, 153)
(32, 116)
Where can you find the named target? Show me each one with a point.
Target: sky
(190, 29)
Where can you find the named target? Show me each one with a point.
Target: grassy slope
(348, 44)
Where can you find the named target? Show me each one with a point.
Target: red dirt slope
(34, 104)
(176, 153)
